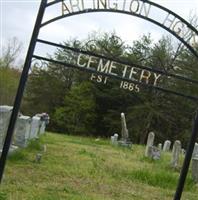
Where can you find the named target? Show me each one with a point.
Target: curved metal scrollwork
(39, 64)
(90, 45)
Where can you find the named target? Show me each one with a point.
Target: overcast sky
(18, 18)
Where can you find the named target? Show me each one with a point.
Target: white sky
(18, 18)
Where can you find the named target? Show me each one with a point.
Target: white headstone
(112, 139)
(176, 153)
(167, 145)
(22, 131)
(150, 141)
(34, 130)
(160, 146)
(116, 137)
(42, 127)
(5, 113)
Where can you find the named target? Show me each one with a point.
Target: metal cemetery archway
(168, 20)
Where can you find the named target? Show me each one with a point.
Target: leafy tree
(9, 72)
(79, 106)
(9, 79)
(77, 115)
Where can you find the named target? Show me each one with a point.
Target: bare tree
(10, 52)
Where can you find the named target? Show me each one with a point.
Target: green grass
(82, 168)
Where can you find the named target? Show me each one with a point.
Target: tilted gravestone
(176, 153)
(195, 169)
(5, 113)
(125, 141)
(153, 152)
(124, 131)
(22, 131)
(42, 127)
(35, 125)
(44, 120)
(195, 151)
(150, 141)
(167, 145)
(160, 146)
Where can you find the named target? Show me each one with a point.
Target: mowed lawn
(82, 168)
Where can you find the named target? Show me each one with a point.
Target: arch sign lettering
(101, 67)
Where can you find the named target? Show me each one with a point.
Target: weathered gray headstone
(125, 141)
(5, 113)
(38, 157)
(34, 130)
(44, 120)
(150, 141)
(153, 152)
(195, 169)
(42, 127)
(114, 139)
(167, 145)
(176, 153)
(195, 151)
(124, 131)
(22, 131)
(160, 146)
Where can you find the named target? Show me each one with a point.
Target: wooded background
(77, 105)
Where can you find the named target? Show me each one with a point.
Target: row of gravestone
(154, 153)
(26, 128)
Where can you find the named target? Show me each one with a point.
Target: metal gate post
(187, 160)
(21, 88)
